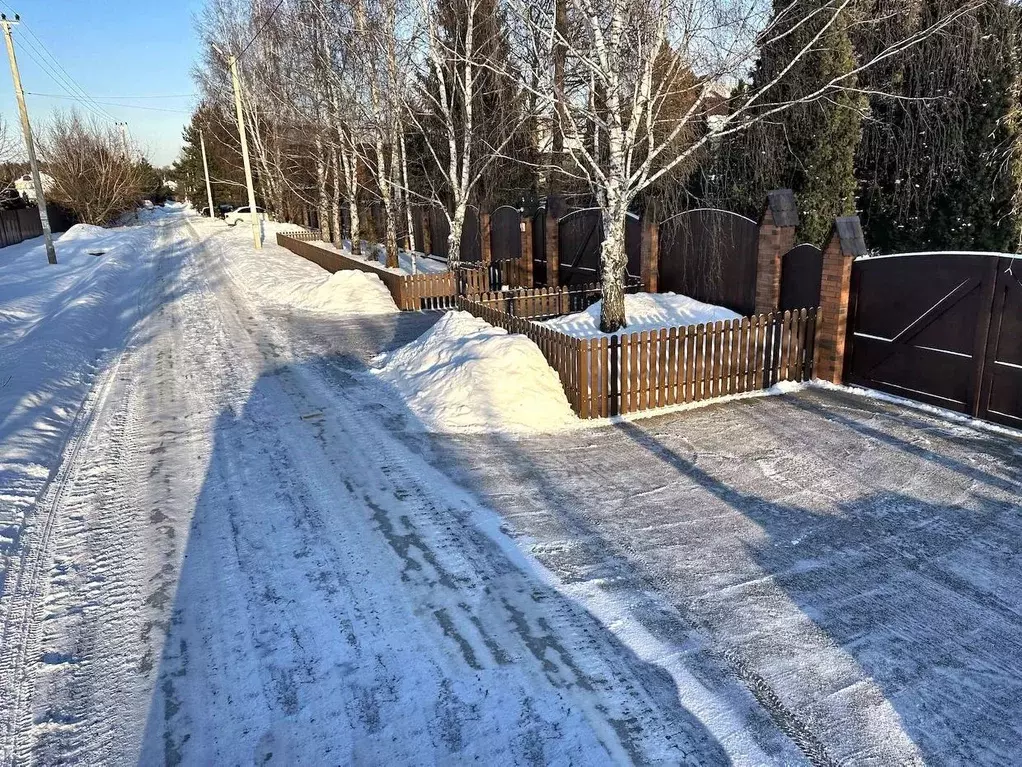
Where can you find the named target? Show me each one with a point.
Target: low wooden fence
(411, 292)
(604, 377)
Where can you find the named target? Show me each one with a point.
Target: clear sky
(116, 50)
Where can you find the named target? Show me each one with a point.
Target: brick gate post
(485, 241)
(650, 250)
(777, 228)
(525, 260)
(845, 244)
(553, 249)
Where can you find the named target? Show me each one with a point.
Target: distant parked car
(243, 216)
(204, 211)
(147, 204)
(223, 209)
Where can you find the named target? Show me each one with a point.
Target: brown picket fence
(604, 377)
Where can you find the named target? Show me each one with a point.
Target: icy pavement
(251, 552)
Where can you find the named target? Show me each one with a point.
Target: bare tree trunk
(335, 203)
(322, 193)
(613, 262)
(349, 161)
(407, 199)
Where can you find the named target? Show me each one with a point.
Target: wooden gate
(942, 328)
(710, 255)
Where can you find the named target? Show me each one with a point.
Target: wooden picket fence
(624, 374)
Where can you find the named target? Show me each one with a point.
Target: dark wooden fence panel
(633, 245)
(801, 272)
(1001, 388)
(942, 328)
(539, 247)
(439, 230)
(580, 236)
(471, 237)
(417, 228)
(22, 224)
(710, 255)
(505, 233)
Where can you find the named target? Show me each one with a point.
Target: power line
(63, 84)
(261, 29)
(67, 76)
(106, 103)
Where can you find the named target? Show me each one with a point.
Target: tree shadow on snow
(339, 600)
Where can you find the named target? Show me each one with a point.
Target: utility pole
(26, 129)
(232, 62)
(205, 168)
(123, 127)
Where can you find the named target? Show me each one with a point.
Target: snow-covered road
(237, 561)
(225, 542)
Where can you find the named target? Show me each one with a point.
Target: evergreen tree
(225, 165)
(809, 147)
(936, 165)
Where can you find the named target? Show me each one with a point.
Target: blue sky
(116, 50)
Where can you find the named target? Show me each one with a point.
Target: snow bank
(348, 292)
(463, 375)
(55, 323)
(645, 311)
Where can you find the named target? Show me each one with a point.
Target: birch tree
(614, 44)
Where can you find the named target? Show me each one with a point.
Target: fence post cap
(782, 207)
(848, 230)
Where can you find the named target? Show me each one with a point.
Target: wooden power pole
(205, 169)
(232, 62)
(26, 129)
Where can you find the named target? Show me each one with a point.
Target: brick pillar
(845, 244)
(777, 228)
(650, 254)
(553, 250)
(485, 233)
(525, 261)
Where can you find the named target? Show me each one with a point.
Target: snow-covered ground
(275, 274)
(242, 548)
(645, 311)
(465, 375)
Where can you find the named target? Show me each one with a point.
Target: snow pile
(645, 311)
(348, 292)
(463, 375)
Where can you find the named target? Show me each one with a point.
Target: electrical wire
(261, 29)
(107, 103)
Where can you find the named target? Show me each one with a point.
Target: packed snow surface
(644, 311)
(464, 375)
(423, 265)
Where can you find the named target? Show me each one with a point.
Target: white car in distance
(243, 216)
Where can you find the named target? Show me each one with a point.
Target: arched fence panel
(801, 271)
(710, 255)
(505, 233)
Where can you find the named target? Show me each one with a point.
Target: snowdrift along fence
(411, 292)
(605, 377)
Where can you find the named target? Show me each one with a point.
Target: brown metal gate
(942, 328)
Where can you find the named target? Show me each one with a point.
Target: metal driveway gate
(942, 328)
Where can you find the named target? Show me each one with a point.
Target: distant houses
(26, 189)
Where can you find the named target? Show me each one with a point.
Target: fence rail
(623, 374)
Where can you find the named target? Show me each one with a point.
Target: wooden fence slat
(700, 363)
(644, 343)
